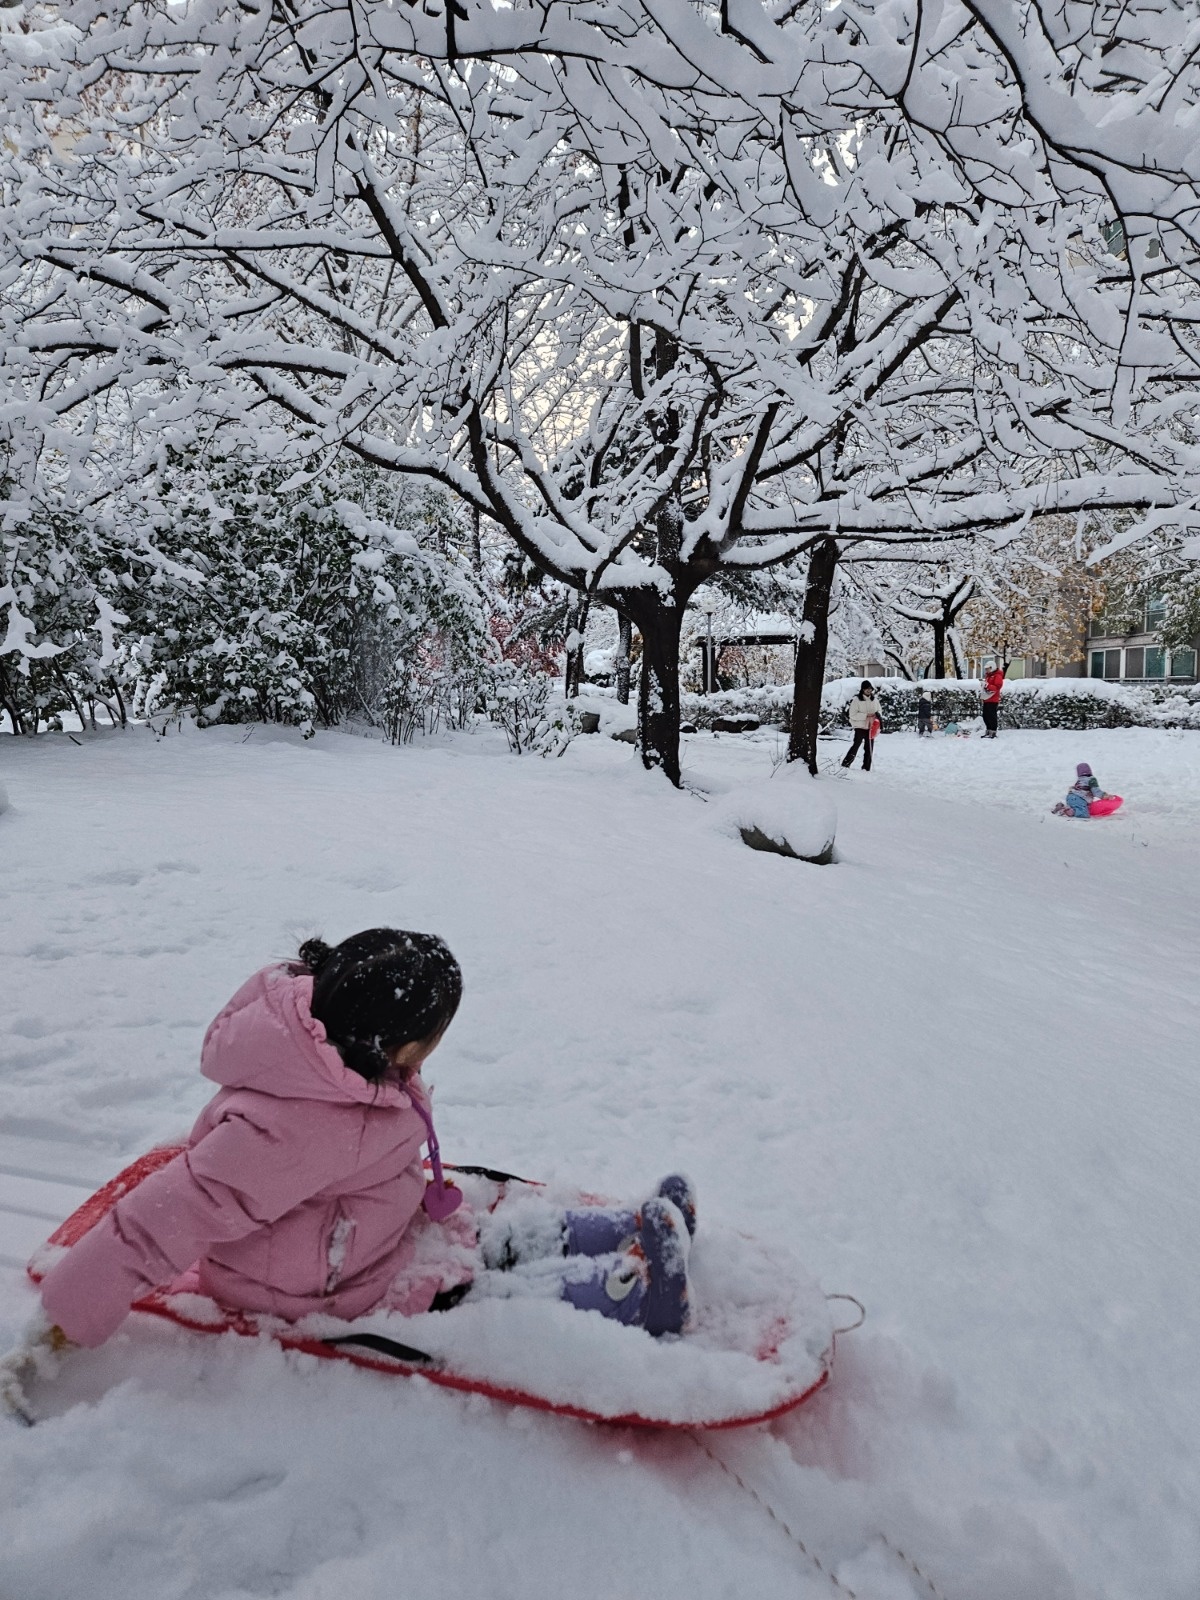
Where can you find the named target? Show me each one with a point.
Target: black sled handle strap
(382, 1345)
(492, 1173)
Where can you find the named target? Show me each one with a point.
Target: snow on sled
(760, 1343)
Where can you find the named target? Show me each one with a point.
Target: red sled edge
(1106, 807)
(159, 1304)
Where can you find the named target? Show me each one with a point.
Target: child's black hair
(381, 989)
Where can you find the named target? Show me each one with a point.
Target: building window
(1156, 662)
(1097, 666)
(1183, 663)
(1134, 663)
(1156, 615)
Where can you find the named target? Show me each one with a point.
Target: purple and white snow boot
(679, 1191)
(615, 1286)
(647, 1287)
(599, 1230)
(665, 1243)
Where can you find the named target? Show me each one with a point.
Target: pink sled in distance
(1105, 807)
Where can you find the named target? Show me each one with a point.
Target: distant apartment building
(1125, 648)
(1138, 656)
(1027, 667)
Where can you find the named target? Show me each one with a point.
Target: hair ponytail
(381, 989)
(314, 953)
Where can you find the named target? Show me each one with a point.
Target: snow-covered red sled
(761, 1344)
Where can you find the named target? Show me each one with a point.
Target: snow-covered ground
(1156, 769)
(956, 1072)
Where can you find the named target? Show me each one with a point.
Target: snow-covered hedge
(1072, 703)
(772, 704)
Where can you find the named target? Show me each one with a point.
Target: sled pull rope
(911, 1565)
(862, 1313)
(834, 1581)
(731, 1472)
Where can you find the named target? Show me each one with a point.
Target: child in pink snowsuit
(302, 1188)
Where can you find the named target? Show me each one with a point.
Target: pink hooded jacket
(295, 1195)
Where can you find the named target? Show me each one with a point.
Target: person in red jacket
(993, 682)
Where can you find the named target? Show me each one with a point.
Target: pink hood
(296, 1193)
(267, 1039)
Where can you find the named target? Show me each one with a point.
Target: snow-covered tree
(661, 290)
(1036, 596)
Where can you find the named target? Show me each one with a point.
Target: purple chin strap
(442, 1199)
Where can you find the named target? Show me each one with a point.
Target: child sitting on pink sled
(302, 1188)
(1086, 798)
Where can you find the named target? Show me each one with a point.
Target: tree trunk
(8, 702)
(955, 652)
(577, 620)
(65, 684)
(811, 652)
(624, 648)
(658, 688)
(939, 649)
(951, 609)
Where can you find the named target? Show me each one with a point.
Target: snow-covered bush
(532, 712)
(300, 604)
(222, 590)
(435, 682)
(1071, 703)
(516, 702)
(58, 652)
(1170, 707)
(788, 813)
(769, 704)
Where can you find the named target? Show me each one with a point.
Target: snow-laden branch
(659, 288)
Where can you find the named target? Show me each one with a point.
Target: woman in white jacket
(862, 710)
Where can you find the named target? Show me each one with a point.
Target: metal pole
(709, 674)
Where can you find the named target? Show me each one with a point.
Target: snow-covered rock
(789, 813)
